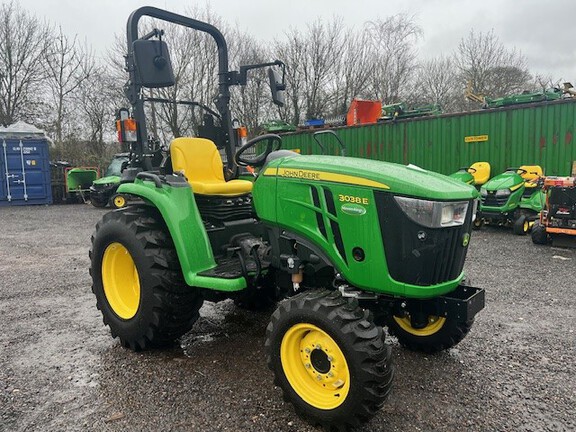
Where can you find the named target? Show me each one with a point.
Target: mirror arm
(241, 77)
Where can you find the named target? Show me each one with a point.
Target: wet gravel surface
(61, 371)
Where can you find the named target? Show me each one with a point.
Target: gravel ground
(61, 371)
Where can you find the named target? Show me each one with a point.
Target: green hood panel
(398, 179)
(506, 180)
(107, 180)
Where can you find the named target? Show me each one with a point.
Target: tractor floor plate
(228, 268)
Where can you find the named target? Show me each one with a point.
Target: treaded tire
(98, 203)
(478, 223)
(361, 342)
(519, 227)
(167, 307)
(539, 234)
(449, 335)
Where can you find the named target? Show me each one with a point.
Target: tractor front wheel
(118, 201)
(438, 334)
(137, 280)
(478, 223)
(329, 359)
(521, 225)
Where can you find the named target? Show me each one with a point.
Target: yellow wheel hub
(120, 280)
(315, 366)
(119, 201)
(435, 323)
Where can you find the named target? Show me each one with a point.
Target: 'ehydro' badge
(353, 209)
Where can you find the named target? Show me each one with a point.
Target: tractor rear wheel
(329, 359)
(137, 280)
(539, 234)
(438, 334)
(98, 202)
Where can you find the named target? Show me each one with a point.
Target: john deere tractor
(345, 246)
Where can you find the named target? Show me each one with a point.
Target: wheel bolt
(308, 365)
(318, 347)
(307, 350)
(319, 377)
(330, 358)
(330, 374)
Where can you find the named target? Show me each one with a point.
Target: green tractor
(514, 198)
(345, 246)
(103, 190)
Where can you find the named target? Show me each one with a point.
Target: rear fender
(178, 209)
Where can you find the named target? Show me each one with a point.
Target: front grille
(416, 254)
(491, 200)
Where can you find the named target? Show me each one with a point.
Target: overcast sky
(542, 30)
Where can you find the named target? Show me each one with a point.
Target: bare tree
(492, 69)
(352, 70)
(394, 58)
(436, 82)
(251, 103)
(312, 58)
(68, 66)
(23, 44)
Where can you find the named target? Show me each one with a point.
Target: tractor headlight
(433, 214)
(502, 193)
(483, 192)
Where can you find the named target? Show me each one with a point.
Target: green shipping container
(533, 134)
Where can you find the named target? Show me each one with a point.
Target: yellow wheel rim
(120, 280)
(315, 366)
(119, 201)
(526, 226)
(435, 323)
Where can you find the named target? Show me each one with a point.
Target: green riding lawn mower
(103, 190)
(475, 175)
(514, 198)
(345, 246)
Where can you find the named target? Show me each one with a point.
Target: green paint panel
(179, 210)
(533, 134)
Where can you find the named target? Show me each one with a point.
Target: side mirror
(277, 86)
(153, 65)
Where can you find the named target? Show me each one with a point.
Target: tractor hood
(395, 178)
(107, 180)
(506, 180)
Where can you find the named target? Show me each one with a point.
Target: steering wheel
(518, 170)
(274, 142)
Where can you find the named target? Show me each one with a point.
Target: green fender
(178, 208)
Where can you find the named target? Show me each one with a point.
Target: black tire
(165, 307)
(478, 223)
(521, 225)
(440, 334)
(98, 203)
(353, 344)
(539, 234)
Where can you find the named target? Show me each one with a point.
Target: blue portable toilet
(24, 166)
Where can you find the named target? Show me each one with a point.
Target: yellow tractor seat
(532, 174)
(480, 171)
(200, 162)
